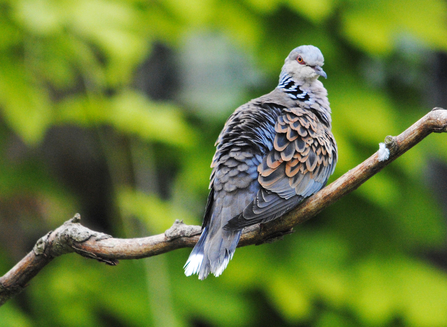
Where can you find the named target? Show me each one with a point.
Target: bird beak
(320, 71)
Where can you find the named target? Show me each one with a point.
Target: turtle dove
(272, 153)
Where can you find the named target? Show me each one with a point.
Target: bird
(273, 152)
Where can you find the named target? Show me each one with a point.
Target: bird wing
(303, 157)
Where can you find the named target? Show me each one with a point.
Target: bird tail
(212, 253)
(192, 266)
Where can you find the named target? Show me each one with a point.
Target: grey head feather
(304, 64)
(311, 55)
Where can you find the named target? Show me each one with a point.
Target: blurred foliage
(70, 76)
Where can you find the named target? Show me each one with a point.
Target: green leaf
(381, 189)
(316, 10)
(158, 215)
(131, 113)
(366, 114)
(291, 299)
(25, 104)
(374, 290)
(38, 16)
(12, 316)
(386, 287)
(375, 26)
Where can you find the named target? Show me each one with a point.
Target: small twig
(73, 237)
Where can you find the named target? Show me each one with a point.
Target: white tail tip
(192, 266)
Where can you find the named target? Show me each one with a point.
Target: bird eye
(300, 60)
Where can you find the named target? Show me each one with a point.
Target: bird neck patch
(291, 88)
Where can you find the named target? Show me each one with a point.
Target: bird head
(304, 64)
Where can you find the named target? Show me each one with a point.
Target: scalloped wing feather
(303, 157)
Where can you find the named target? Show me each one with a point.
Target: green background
(111, 109)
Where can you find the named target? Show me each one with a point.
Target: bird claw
(277, 236)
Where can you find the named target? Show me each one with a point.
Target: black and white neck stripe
(291, 88)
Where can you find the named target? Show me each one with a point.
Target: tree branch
(73, 237)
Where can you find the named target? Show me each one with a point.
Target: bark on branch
(73, 237)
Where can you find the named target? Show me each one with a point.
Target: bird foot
(275, 236)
